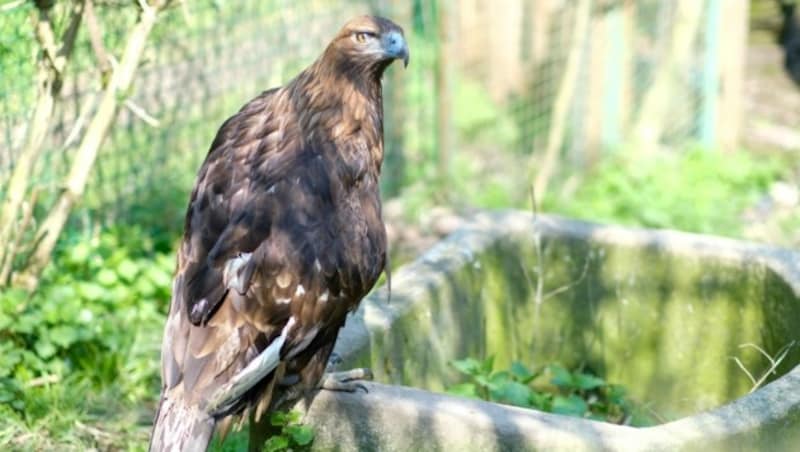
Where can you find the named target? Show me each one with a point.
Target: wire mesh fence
(494, 90)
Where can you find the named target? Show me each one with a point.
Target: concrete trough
(663, 313)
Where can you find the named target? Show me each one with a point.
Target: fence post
(733, 54)
(444, 99)
(711, 75)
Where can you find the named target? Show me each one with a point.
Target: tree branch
(49, 72)
(96, 132)
(96, 40)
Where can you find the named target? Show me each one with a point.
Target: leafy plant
(294, 436)
(92, 329)
(552, 389)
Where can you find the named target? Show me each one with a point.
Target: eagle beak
(395, 46)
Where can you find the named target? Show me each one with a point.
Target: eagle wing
(261, 245)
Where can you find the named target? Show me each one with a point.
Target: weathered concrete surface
(429, 297)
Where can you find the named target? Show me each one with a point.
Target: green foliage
(698, 191)
(294, 436)
(93, 327)
(552, 388)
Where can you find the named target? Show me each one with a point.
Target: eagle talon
(333, 361)
(346, 381)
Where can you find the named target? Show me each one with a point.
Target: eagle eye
(361, 36)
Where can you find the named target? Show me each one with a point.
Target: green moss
(665, 327)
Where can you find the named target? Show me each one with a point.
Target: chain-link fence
(496, 91)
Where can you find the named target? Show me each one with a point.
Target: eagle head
(368, 44)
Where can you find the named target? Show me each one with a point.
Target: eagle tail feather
(180, 427)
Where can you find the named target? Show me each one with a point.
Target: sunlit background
(656, 113)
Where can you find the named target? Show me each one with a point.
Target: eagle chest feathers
(283, 237)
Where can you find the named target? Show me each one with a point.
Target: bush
(94, 326)
(699, 191)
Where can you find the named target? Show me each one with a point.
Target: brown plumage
(283, 228)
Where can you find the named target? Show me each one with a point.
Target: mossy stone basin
(683, 321)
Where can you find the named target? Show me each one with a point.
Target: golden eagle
(283, 237)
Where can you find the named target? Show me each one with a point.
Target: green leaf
(144, 287)
(514, 393)
(276, 443)
(161, 277)
(521, 373)
(561, 377)
(570, 406)
(496, 381)
(293, 417)
(107, 277)
(63, 335)
(91, 291)
(467, 366)
(540, 400)
(587, 381)
(616, 395)
(278, 419)
(80, 253)
(44, 348)
(302, 435)
(127, 270)
(487, 365)
(464, 390)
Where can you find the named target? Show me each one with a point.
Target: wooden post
(733, 54)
